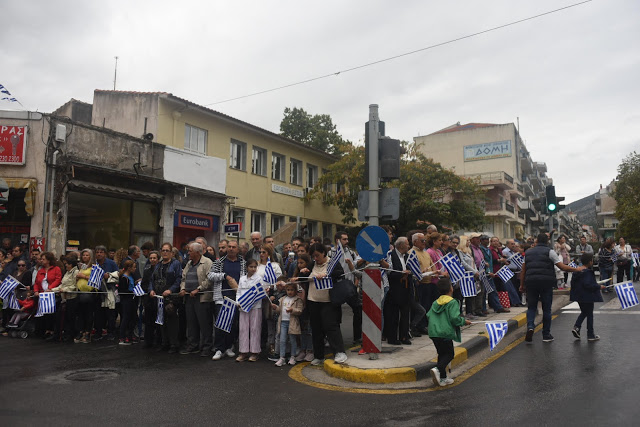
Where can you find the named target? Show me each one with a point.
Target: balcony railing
(498, 179)
(510, 207)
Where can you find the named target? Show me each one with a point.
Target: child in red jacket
(27, 307)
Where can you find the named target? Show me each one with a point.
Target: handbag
(342, 290)
(504, 299)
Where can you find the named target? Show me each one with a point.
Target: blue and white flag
(636, 259)
(160, 315)
(335, 259)
(46, 303)
(95, 279)
(137, 290)
(517, 260)
(224, 321)
(486, 281)
(413, 264)
(505, 274)
(324, 283)
(8, 286)
(453, 266)
(614, 256)
(247, 299)
(270, 274)
(626, 294)
(496, 331)
(13, 302)
(468, 285)
(573, 264)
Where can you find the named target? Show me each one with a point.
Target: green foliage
(627, 195)
(317, 131)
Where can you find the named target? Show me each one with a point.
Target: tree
(428, 192)
(316, 131)
(627, 195)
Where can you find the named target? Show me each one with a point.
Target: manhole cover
(92, 375)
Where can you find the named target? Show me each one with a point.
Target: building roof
(458, 127)
(223, 116)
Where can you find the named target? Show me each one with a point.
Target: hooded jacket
(584, 287)
(445, 319)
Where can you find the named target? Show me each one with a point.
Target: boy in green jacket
(444, 327)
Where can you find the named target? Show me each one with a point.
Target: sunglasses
(22, 265)
(165, 250)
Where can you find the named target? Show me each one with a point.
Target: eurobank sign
(488, 150)
(195, 221)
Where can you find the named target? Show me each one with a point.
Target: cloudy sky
(571, 76)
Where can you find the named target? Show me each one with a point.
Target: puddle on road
(83, 375)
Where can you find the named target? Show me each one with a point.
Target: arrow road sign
(372, 243)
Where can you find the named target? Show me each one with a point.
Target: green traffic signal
(551, 207)
(552, 204)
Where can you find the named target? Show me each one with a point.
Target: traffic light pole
(550, 222)
(374, 179)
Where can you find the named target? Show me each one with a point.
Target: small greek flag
(137, 290)
(324, 283)
(414, 264)
(270, 274)
(505, 274)
(224, 321)
(248, 299)
(517, 260)
(453, 266)
(488, 286)
(483, 265)
(468, 285)
(160, 315)
(46, 303)
(496, 331)
(95, 279)
(336, 259)
(614, 256)
(636, 259)
(13, 302)
(626, 294)
(8, 286)
(573, 264)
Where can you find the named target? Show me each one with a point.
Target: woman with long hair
(49, 277)
(86, 305)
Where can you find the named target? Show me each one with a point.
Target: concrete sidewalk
(408, 363)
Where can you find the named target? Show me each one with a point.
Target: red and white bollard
(372, 312)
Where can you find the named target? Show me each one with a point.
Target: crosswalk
(611, 307)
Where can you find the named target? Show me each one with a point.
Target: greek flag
(8, 286)
(252, 295)
(95, 279)
(137, 290)
(13, 302)
(160, 315)
(224, 321)
(483, 265)
(488, 286)
(414, 265)
(573, 264)
(324, 283)
(505, 274)
(270, 274)
(614, 256)
(636, 259)
(337, 258)
(496, 331)
(468, 285)
(517, 260)
(453, 266)
(626, 294)
(46, 303)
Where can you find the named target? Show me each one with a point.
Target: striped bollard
(372, 312)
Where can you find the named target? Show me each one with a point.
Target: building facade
(605, 211)
(494, 156)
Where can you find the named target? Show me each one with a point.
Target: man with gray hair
(432, 229)
(202, 241)
(254, 252)
(397, 304)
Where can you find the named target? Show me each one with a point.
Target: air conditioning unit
(61, 133)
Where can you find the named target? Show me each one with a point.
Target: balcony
(525, 162)
(494, 179)
(499, 209)
(522, 216)
(510, 207)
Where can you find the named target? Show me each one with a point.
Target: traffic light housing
(559, 206)
(552, 201)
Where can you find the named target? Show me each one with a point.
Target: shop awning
(113, 190)
(31, 185)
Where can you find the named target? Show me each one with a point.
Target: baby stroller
(26, 325)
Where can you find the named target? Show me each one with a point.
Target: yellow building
(267, 174)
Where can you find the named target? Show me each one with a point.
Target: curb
(420, 371)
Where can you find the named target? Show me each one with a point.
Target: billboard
(488, 150)
(13, 145)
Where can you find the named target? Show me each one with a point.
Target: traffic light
(558, 200)
(4, 191)
(552, 201)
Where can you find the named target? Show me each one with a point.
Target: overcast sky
(571, 76)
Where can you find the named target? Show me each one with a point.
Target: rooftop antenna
(115, 74)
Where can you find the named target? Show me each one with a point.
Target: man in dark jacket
(537, 280)
(397, 304)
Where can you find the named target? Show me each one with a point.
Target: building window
(237, 215)
(312, 176)
(277, 221)
(277, 166)
(312, 228)
(327, 187)
(296, 172)
(259, 222)
(259, 161)
(327, 231)
(195, 139)
(238, 159)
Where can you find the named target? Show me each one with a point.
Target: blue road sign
(233, 227)
(372, 243)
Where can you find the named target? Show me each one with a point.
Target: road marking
(295, 374)
(572, 306)
(603, 312)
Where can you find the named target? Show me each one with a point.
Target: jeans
(444, 347)
(419, 314)
(355, 302)
(514, 298)
(128, 307)
(586, 311)
(284, 332)
(494, 301)
(622, 270)
(542, 292)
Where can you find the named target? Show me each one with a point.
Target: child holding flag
(444, 327)
(251, 321)
(290, 309)
(585, 291)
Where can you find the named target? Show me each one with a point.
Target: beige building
(496, 157)
(267, 175)
(605, 211)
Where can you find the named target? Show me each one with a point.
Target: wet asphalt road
(565, 382)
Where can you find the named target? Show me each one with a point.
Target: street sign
(233, 227)
(372, 243)
(388, 204)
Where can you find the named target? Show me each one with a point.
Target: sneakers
(593, 338)
(292, 361)
(273, 357)
(189, 351)
(281, 362)
(529, 336)
(309, 357)
(340, 358)
(241, 358)
(435, 376)
(576, 332)
(300, 357)
(362, 352)
(316, 362)
(253, 358)
(217, 356)
(446, 381)
(124, 342)
(230, 353)
(547, 338)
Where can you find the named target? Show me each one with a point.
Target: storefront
(16, 223)
(189, 225)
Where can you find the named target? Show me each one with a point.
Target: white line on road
(602, 312)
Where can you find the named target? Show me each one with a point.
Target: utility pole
(374, 179)
(115, 74)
